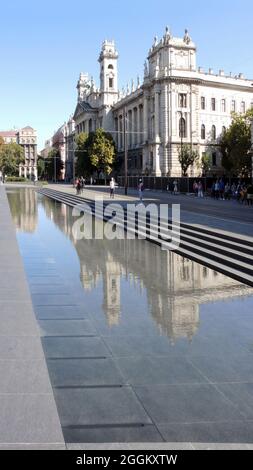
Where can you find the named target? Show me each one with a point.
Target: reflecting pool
(141, 344)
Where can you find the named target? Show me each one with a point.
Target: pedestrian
(195, 188)
(82, 183)
(250, 194)
(200, 189)
(112, 188)
(78, 186)
(175, 188)
(140, 189)
(221, 189)
(216, 189)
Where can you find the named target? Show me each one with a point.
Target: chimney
(211, 71)
(221, 73)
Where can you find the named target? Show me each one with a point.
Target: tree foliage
(102, 151)
(53, 164)
(95, 152)
(41, 167)
(11, 155)
(204, 163)
(187, 157)
(84, 166)
(235, 145)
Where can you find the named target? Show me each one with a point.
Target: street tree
(53, 165)
(187, 157)
(41, 167)
(204, 163)
(83, 165)
(235, 145)
(102, 152)
(11, 155)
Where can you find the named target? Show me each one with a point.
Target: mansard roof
(11, 133)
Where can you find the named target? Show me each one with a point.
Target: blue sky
(45, 45)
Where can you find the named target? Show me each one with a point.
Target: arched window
(213, 133)
(203, 102)
(110, 67)
(182, 128)
(223, 130)
(203, 131)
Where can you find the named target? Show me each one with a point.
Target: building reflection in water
(175, 286)
(24, 209)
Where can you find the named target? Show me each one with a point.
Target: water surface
(141, 344)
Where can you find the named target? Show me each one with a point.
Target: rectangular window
(243, 107)
(233, 106)
(213, 104)
(182, 100)
(214, 159)
(110, 82)
(223, 106)
(203, 102)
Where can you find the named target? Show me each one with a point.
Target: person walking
(112, 188)
(200, 189)
(78, 186)
(195, 188)
(175, 188)
(140, 189)
(82, 183)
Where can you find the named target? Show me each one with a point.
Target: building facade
(177, 103)
(27, 138)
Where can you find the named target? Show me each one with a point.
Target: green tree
(84, 166)
(53, 164)
(204, 163)
(187, 157)
(41, 167)
(11, 155)
(102, 152)
(235, 145)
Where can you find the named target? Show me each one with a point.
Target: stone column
(164, 130)
(145, 132)
(156, 157)
(138, 135)
(145, 119)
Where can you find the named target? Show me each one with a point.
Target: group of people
(80, 185)
(244, 193)
(241, 192)
(198, 189)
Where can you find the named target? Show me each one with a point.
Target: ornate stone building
(176, 103)
(27, 138)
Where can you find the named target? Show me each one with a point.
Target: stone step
(233, 259)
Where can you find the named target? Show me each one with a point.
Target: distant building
(177, 103)
(48, 146)
(70, 149)
(63, 140)
(27, 138)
